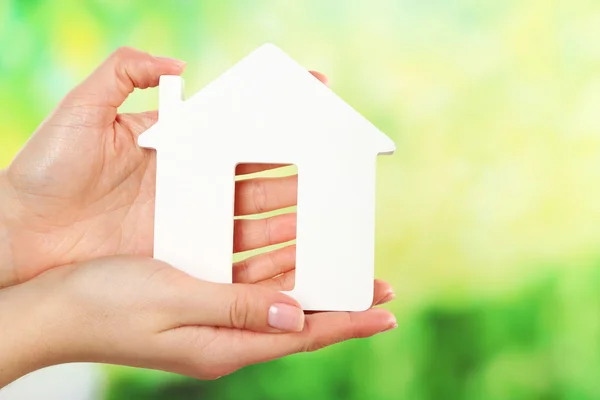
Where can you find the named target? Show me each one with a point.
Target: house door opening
(264, 234)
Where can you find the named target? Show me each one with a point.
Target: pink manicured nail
(286, 317)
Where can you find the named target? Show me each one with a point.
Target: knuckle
(308, 346)
(238, 237)
(271, 256)
(259, 196)
(352, 332)
(126, 52)
(122, 52)
(242, 271)
(239, 310)
(268, 227)
(315, 345)
(307, 343)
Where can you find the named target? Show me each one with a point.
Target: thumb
(241, 306)
(126, 69)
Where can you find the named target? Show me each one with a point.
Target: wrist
(35, 327)
(8, 276)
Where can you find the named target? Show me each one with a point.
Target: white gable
(269, 94)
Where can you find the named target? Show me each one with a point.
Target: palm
(102, 202)
(94, 195)
(188, 326)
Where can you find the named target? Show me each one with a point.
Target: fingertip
(388, 297)
(374, 321)
(392, 323)
(382, 293)
(174, 65)
(391, 327)
(320, 76)
(125, 70)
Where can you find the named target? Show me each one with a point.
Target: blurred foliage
(542, 343)
(487, 214)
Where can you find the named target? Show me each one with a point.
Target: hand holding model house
(78, 231)
(268, 109)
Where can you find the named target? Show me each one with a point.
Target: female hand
(141, 312)
(81, 187)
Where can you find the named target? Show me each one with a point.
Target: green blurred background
(488, 213)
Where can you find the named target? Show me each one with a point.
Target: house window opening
(264, 242)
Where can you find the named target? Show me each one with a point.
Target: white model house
(268, 109)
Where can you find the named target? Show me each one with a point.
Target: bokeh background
(488, 213)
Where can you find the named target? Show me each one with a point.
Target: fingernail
(179, 63)
(391, 326)
(389, 297)
(286, 317)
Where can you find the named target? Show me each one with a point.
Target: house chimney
(170, 93)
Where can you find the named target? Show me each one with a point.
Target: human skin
(76, 233)
(141, 312)
(82, 188)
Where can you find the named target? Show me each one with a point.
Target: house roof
(266, 85)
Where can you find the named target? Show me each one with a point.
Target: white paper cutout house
(268, 109)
